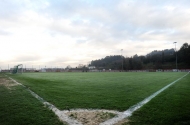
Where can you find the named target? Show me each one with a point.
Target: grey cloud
(64, 61)
(26, 58)
(4, 33)
(119, 20)
(11, 8)
(107, 24)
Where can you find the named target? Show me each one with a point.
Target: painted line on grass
(62, 116)
(120, 115)
(133, 108)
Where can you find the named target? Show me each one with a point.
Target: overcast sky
(57, 33)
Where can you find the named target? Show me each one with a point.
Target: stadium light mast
(176, 54)
(122, 59)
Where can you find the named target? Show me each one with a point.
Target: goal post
(17, 69)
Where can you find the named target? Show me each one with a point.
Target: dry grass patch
(7, 83)
(91, 117)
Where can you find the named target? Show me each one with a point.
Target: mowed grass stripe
(171, 107)
(116, 91)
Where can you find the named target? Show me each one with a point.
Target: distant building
(43, 70)
(91, 67)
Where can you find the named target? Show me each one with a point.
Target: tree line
(165, 59)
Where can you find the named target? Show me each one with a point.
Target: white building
(43, 70)
(91, 67)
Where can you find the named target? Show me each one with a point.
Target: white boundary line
(62, 116)
(133, 108)
(120, 115)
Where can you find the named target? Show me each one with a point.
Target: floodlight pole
(22, 69)
(122, 60)
(176, 54)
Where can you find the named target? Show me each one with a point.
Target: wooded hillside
(164, 59)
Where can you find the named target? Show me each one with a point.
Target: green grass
(171, 107)
(19, 107)
(116, 91)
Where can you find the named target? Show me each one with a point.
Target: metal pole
(176, 54)
(122, 59)
(22, 69)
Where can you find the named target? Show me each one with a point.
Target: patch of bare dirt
(90, 117)
(7, 83)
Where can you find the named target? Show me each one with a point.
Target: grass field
(19, 107)
(171, 107)
(116, 91)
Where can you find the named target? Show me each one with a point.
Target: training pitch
(116, 91)
(96, 90)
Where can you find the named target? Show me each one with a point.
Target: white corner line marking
(62, 116)
(133, 108)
